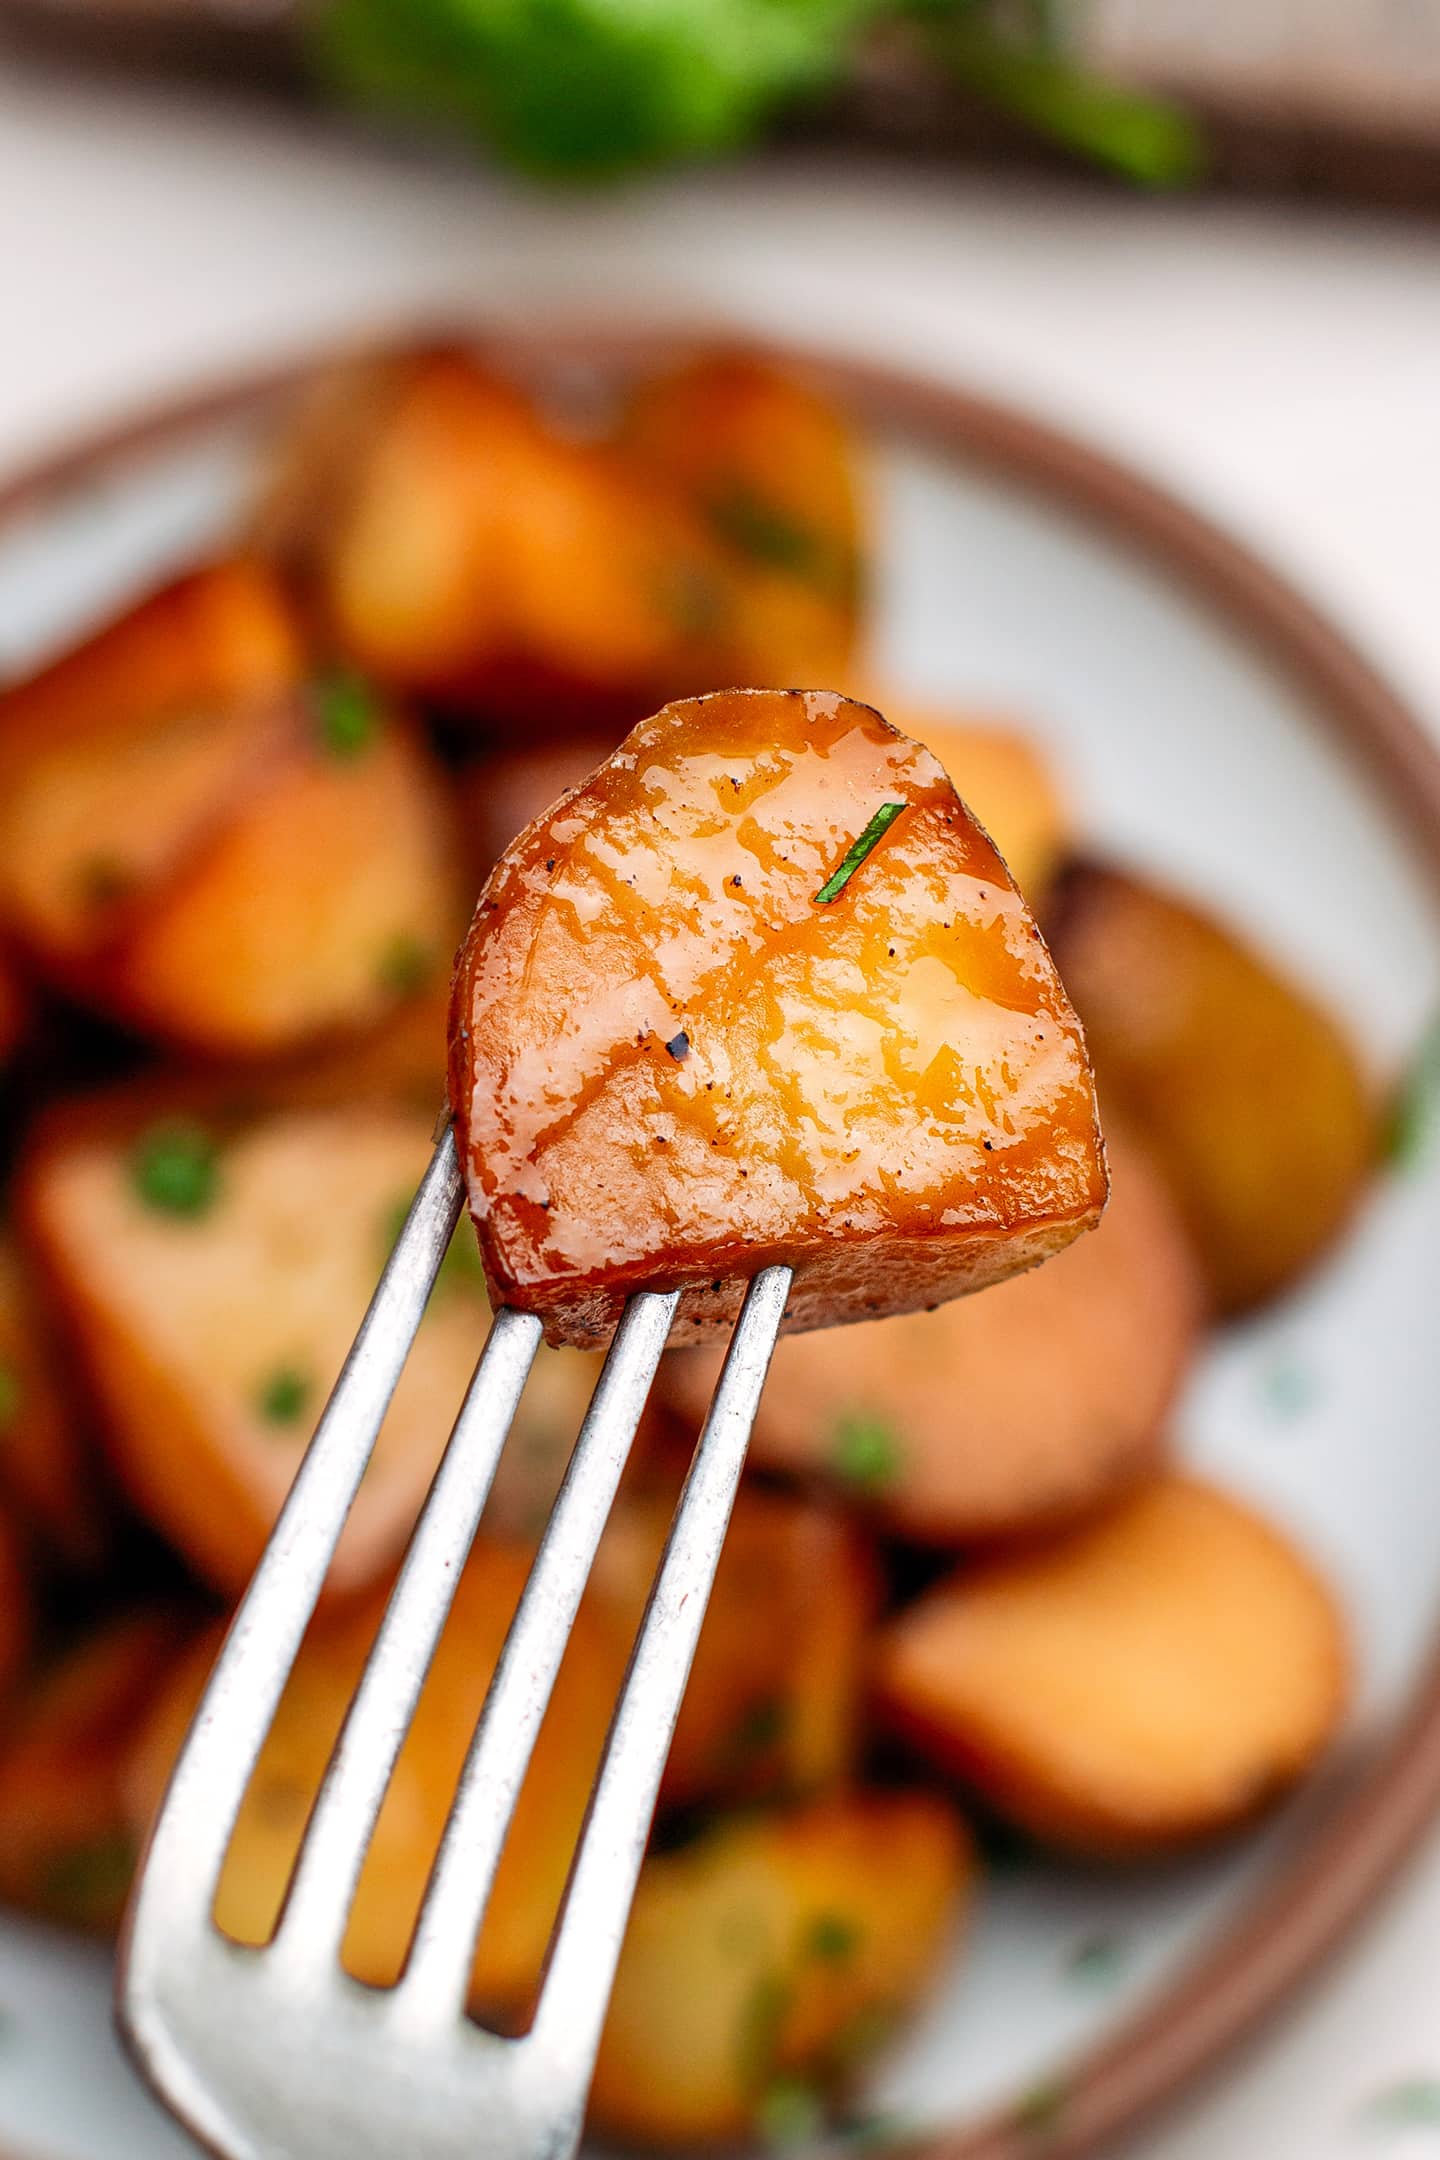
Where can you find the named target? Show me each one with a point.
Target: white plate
(1191, 752)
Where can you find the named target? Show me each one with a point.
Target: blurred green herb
(1415, 1107)
(346, 715)
(865, 1453)
(582, 90)
(283, 1396)
(1411, 2103)
(174, 1169)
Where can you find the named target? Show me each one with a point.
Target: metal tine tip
(193, 1828)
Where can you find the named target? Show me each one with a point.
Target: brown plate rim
(1216, 2004)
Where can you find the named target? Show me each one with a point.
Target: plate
(1215, 730)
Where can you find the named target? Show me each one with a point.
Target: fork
(273, 2052)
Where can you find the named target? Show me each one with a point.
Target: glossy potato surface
(67, 1846)
(1140, 1682)
(1248, 1093)
(533, 1870)
(1002, 776)
(670, 1066)
(777, 1949)
(999, 1414)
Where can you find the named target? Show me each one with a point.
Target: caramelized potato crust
(1148, 1679)
(672, 1066)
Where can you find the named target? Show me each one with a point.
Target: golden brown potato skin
(670, 1067)
(998, 1415)
(1248, 1094)
(778, 1946)
(67, 1849)
(1146, 1680)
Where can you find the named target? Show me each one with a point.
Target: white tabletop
(1279, 368)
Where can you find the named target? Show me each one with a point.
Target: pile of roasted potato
(241, 827)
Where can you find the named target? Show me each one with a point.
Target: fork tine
(433, 1986)
(576, 1988)
(187, 1847)
(313, 1923)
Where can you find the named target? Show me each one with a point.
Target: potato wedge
(547, 1823)
(330, 895)
(773, 470)
(1002, 776)
(460, 550)
(46, 1469)
(296, 867)
(67, 1848)
(777, 1948)
(213, 1269)
(1249, 1095)
(1146, 1680)
(167, 706)
(1000, 1415)
(673, 1063)
(773, 1702)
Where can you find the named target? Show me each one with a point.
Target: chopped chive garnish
(866, 1453)
(856, 853)
(766, 533)
(1412, 2102)
(1097, 1962)
(833, 1937)
(346, 714)
(283, 1396)
(10, 1396)
(175, 1170)
(405, 964)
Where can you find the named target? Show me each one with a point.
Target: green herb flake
(1040, 2113)
(406, 964)
(761, 1726)
(12, 1394)
(1097, 1962)
(89, 1883)
(857, 851)
(866, 1453)
(175, 1169)
(283, 1397)
(768, 534)
(1411, 2103)
(790, 2112)
(347, 717)
(832, 1938)
(1415, 1108)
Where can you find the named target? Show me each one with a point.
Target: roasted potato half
(775, 1950)
(1249, 1095)
(46, 1467)
(213, 1266)
(453, 546)
(272, 1820)
(1143, 1681)
(67, 1845)
(1001, 1414)
(773, 470)
(295, 869)
(169, 707)
(759, 991)
(774, 1698)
